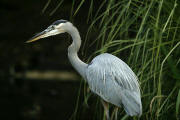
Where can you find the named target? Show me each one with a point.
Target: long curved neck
(73, 49)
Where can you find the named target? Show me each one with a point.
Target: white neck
(73, 49)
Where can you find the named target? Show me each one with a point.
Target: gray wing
(115, 82)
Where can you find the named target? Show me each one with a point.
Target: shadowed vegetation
(146, 35)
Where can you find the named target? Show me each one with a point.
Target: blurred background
(37, 81)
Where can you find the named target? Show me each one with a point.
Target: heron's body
(113, 80)
(107, 75)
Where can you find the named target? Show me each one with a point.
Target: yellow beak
(37, 37)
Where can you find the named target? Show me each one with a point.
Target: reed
(146, 35)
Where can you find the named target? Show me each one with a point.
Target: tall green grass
(146, 35)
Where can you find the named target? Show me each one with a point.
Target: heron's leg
(114, 114)
(106, 109)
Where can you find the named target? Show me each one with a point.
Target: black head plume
(59, 21)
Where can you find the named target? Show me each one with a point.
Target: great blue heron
(107, 75)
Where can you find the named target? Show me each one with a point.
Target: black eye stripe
(59, 21)
(51, 27)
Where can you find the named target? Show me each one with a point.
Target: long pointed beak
(37, 37)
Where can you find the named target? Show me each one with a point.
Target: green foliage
(146, 35)
(178, 104)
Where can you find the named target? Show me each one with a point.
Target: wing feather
(113, 80)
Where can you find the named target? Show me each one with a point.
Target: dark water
(38, 100)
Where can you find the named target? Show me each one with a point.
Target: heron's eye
(53, 27)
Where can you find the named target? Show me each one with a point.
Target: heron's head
(59, 26)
